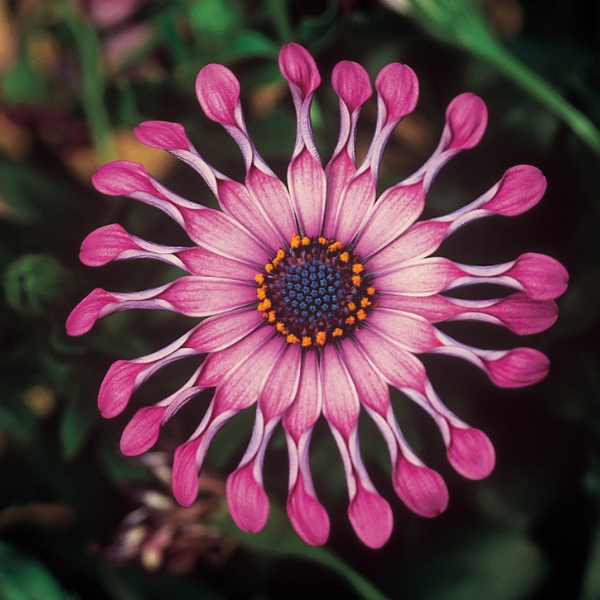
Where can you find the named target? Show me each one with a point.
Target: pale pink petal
(340, 401)
(397, 366)
(518, 312)
(221, 331)
(306, 178)
(422, 277)
(200, 261)
(471, 453)
(410, 331)
(397, 209)
(418, 241)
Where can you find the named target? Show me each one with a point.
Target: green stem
(278, 12)
(92, 83)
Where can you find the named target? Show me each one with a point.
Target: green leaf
(23, 577)
(279, 539)
(216, 19)
(462, 22)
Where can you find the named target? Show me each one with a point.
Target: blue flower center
(315, 291)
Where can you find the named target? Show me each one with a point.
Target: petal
(413, 333)
(422, 489)
(247, 500)
(542, 277)
(371, 517)
(471, 453)
(142, 431)
(307, 515)
(218, 92)
(299, 68)
(398, 367)
(397, 209)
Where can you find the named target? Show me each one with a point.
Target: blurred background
(78, 520)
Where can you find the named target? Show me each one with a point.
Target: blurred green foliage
(75, 80)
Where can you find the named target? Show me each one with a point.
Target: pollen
(312, 293)
(370, 291)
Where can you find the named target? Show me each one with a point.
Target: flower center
(314, 291)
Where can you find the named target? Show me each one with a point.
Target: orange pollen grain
(323, 241)
(361, 315)
(320, 338)
(295, 243)
(356, 280)
(365, 302)
(337, 332)
(292, 339)
(306, 341)
(264, 305)
(357, 268)
(280, 326)
(305, 241)
(268, 268)
(344, 257)
(351, 306)
(261, 292)
(350, 320)
(259, 279)
(335, 246)
(271, 316)
(370, 291)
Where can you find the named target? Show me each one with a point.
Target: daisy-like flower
(317, 297)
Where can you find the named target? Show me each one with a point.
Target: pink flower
(346, 291)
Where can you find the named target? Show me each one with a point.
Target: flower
(346, 291)
(161, 535)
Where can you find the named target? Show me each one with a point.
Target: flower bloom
(317, 297)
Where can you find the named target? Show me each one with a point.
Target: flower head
(318, 296)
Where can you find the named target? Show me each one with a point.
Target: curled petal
(218, 92)
(105, 244)
(118, 385)
(520, 188)
(518, 367)
(142, 431)
(398, 89)
(371, 517)
(247, 500)
(308, 516)
(85, 314)
(466, 120)
(351, 83)
(422, 489)
(471, 453)
(299, 68)
(162, 135)
(542, 277)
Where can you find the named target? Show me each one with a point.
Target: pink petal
(520, 188)
(340, 401)
(307, 515)
(523, 315)
(372, 389)
(420, 278)
(420, 488)
(418, 241)
(543, 277)
(162, 135)
(398, 90)
(397, 209)
(299, 68)
(413, 333)
(118, 385)
(142, 431)
(218, 92)
(105, 244)
(218, 364)
(239, 389)
(399, 367)
(122, 177)
(85, 314)
(185, 472)
(200, 261)
(371, 517)
(302, 415)
(247, 501)
(221, 331)
(471, 453)
(280, 388)
(518, 367)
(466, 120)
(351, 83)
